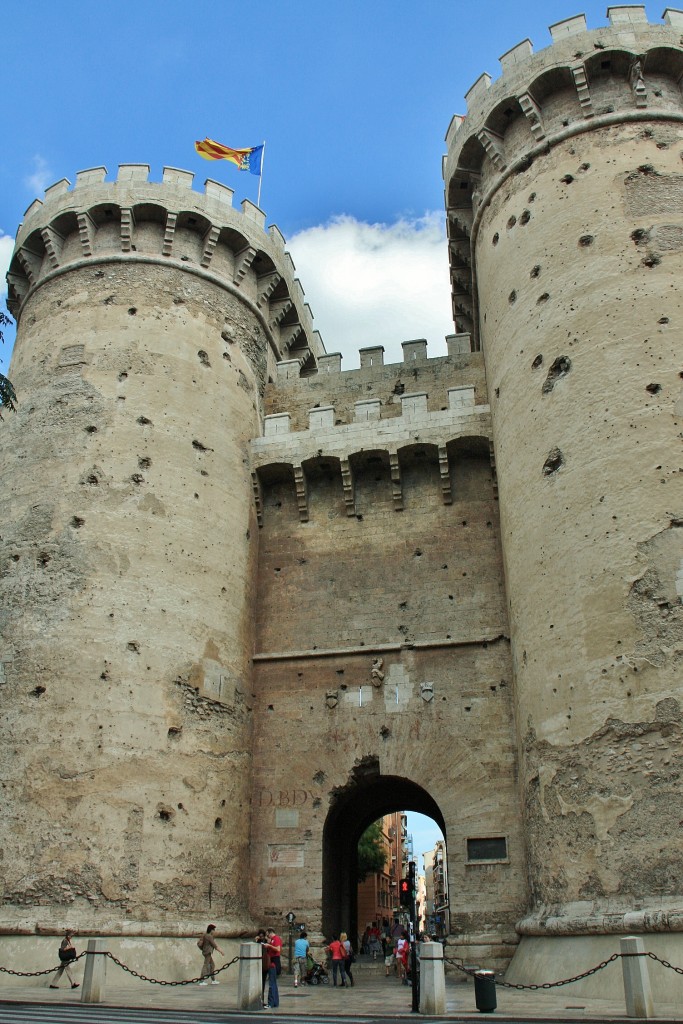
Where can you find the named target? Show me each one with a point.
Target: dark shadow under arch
(367, 797)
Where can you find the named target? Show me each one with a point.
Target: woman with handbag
(338, 955)
(67, 953)
(348, 955)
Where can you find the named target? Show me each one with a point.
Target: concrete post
(636, 979)
(95, 974)
(250, 982)
(432, 980)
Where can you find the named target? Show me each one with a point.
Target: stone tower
(564, 190)
(149, 319)
(251, 603)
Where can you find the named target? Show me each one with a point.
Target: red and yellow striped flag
(244, 159)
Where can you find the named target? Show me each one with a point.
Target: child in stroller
(316, 973)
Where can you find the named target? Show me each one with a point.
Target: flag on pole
(244, 159)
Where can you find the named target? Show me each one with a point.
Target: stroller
(316, 973)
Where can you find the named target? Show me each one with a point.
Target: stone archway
(366, 797)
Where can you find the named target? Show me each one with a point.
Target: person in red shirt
(402, 952)
(274, 949)
(338, 953)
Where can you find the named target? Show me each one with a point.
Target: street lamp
(291, 918)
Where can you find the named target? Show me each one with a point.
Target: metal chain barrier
(156, 981)
(124, 967)
(664, 963)
(447, 960)
(565, 981)
(37, 974)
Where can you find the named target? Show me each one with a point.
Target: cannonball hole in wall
(560, 368)
(553, 462)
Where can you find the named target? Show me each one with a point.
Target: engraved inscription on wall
(286, 855)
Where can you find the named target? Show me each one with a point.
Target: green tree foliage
(372, 854)
(8, 398)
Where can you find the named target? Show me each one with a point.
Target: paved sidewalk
(372, 995)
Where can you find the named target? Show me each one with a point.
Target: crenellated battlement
(133, 218)
(441, 435)
(628, 30)
(372, 357)
(586, 80)
(368, 411)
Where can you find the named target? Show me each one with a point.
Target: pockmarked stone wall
(564, 181)
(585, 364)
(381, 640)
(250, 603)
(129, 555)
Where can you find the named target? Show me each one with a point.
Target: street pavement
(373, 997)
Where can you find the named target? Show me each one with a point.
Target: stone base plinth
(163, 957)
(539, 959)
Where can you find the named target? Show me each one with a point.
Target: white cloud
(42, 176)
(367, 284)
(376, 284)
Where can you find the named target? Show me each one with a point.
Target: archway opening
(367, 797)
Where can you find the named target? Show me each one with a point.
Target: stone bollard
(636, 979)
(432, 980)
(95, 973)
(250, 982)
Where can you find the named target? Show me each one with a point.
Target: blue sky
(353, 99)
(425, 833)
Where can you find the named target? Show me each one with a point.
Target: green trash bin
(485, 991)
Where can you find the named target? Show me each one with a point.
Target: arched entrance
(367, 797)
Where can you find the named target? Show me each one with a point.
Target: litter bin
(485, 991)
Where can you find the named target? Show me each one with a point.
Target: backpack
(67, 954)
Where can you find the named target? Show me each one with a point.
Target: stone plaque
(285, 817)
(286, 856)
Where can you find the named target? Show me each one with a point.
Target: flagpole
(260, 177)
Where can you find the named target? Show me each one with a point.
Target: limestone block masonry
(149, 318)
(564, 189)
(249, 603)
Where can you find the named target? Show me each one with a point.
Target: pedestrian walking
(374, 941)
(67, 953)
(402, 951)
(208, 944)
(301, 948)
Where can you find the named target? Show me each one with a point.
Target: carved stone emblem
(427, 691)
(332, 698)
(376, 673)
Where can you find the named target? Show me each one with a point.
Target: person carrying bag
(67, 953)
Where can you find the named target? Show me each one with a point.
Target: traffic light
(405, 892)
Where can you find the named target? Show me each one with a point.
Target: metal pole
(415, 1007)
(260, 177)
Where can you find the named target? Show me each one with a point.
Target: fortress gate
(251, 602)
